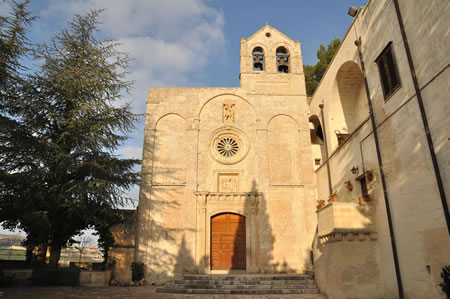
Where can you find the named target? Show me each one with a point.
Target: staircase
(243, 284)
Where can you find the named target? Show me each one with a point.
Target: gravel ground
(126, 292)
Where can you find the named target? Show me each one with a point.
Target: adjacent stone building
(399, 241)
(231, 176)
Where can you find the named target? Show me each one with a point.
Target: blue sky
(192, 42)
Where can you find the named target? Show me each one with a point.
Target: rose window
(228, 147)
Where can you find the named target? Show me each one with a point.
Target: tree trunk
(55, 254)
(105, 257)
(41, 253)
(29, 256)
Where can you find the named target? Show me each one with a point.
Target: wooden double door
(228, 248)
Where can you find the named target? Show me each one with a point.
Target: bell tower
(271, 63)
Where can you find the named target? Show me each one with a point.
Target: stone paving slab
(128, 292)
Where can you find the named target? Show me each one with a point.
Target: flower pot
(333, 198)
(321, 205)
(364, 199)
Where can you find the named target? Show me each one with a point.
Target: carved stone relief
(228, 111)
(228, 183)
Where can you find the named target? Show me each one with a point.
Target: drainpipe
(383, 181)
(324, 131)
(424, 118)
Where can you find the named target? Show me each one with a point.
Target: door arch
(228, 242)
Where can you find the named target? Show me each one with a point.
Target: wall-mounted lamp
(354, 169)
(352, 11)
(369, 175)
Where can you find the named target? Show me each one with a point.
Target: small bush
(137, 271)
(445, 284)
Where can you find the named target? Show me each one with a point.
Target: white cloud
(167, 40)
(5, 8)
(130, 152)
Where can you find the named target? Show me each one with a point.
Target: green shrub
(137, 271)
(445, 284)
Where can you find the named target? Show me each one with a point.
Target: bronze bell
(258, 64)
(282, 66)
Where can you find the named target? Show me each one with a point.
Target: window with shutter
(387, 68)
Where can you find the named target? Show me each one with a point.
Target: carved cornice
(246, 198)
(348, 235)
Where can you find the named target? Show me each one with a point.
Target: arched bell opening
(282, 60)
(258, 59)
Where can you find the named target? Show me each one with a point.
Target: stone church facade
(227, 180)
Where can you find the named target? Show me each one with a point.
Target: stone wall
(346, 258)
(348, 268)
(122, 254)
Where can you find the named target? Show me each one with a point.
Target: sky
(191, 42)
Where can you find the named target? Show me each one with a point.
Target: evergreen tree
(14, 46)
(74, 181)
(17, 153)
(314, 73)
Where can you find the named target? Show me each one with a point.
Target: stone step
(308, 272)
(241, 286)
(248, 277)
(235, 282)
(239, 291)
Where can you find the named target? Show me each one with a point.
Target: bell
(282, 66)
(258, 64)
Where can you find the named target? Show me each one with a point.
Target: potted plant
(137, 273)
(333, 197)
(365, 198)
(320, 204)
(349, 185)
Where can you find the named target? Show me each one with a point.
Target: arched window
(282, 60)
(315, 130)
(348, 103)
(317, 141)
(258, 59)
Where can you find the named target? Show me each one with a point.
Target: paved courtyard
(125, 292)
